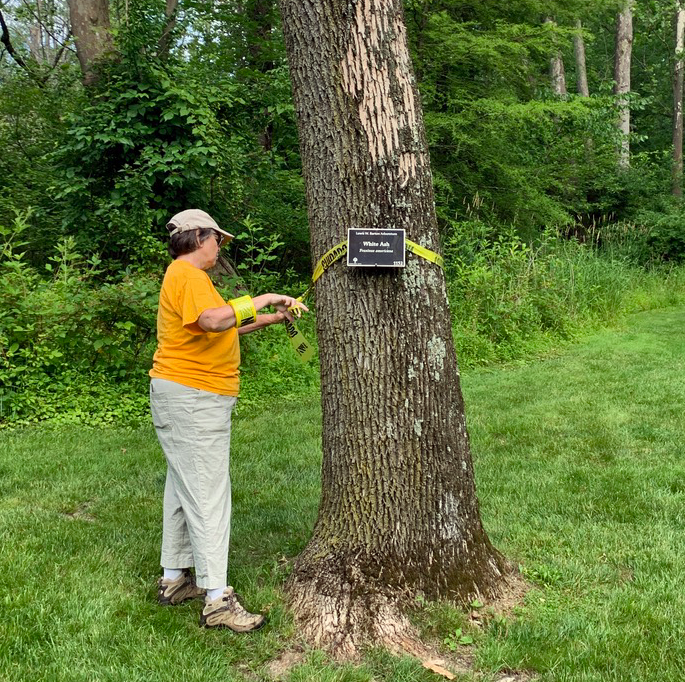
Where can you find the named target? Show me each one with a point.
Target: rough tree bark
(398, 513)
(557, 72)
(624, 48)
(91, 30)
(678, 102)
(581, 68)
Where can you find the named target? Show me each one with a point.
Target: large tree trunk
(398, 514)
(624, 48)
(581, 69)
(90, 26)
(678, 102)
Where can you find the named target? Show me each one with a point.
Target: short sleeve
(198, 295)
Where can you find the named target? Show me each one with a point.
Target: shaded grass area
(581, 481)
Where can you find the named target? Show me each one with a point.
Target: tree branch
(60, 52)
(50, 33)
(5, 40)
(9, 48)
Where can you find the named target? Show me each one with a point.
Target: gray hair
(186, 242)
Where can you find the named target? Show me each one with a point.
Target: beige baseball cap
(195, 219)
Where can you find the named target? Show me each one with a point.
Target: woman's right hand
(288, 306)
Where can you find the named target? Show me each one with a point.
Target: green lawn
(580, 478)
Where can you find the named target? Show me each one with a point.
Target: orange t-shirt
(185, 353)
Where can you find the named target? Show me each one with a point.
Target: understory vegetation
(78, 344)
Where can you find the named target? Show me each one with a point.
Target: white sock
(215, 593)
(172, 573)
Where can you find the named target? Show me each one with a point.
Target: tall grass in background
(75, 345)
(511, 299)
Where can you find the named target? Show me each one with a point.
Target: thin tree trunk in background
(678, 102)
(36, 42)
(91, 30)
(36, 35)
(170, 13)
(624, 47)
(581, 69)
(261, 16)
(557, 72)
(399, 514)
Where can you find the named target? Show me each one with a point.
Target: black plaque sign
(375, 248)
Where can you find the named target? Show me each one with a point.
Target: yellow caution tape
(330, 257)
(302, 347)
(422, 251)
(339, 250)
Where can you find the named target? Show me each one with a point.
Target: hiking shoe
(172, 592)
(226, 612)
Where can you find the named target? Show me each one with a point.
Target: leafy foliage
(148, 144)
(60, 333)
(511, 298)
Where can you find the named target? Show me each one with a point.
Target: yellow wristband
(244, 310)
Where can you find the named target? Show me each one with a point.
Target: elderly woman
(193, 389)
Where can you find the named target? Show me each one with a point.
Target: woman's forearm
(261, 322)
(222, 318)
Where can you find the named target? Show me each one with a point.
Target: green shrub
(77, 349)
(510, 298)
(63, 331)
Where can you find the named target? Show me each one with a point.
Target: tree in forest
(581, 68)
(43, 28)
(678, 101)
(91, 28)
(398, 514)
(557, 72)
(624, 47)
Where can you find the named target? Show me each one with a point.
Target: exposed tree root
(342, 621)
(342, 618)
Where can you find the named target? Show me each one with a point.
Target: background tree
(581, 67)
(557, 72)
(678, 101)
(399, 514)
(91, 28)
(624, 46)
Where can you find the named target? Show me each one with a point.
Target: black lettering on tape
(290, 328)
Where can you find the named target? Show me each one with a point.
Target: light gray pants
(194, 430)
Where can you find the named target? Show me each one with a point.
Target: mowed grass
(581, 472)
(581, 483)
